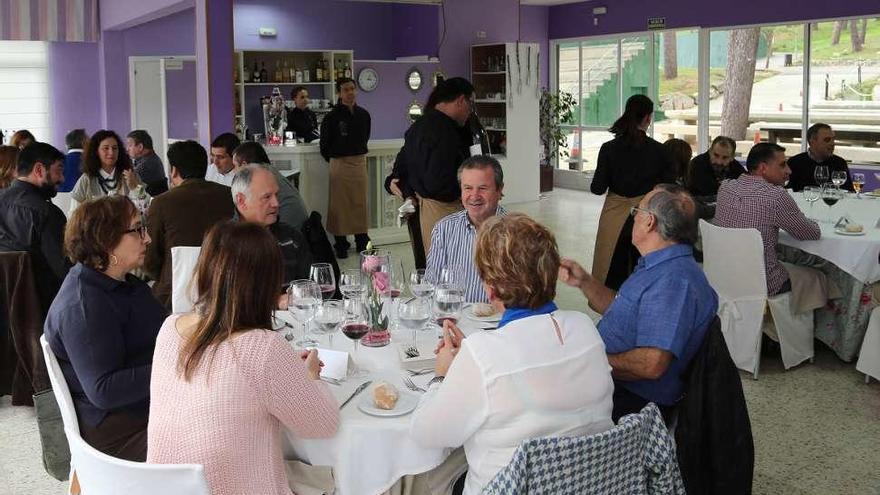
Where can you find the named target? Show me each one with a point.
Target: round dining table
(369, 454)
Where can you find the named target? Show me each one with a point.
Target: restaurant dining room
(439, 247)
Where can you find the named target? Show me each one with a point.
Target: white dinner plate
(406, 403)
(844, 232)
(469, 312)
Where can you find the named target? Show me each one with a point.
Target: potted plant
(555, 109)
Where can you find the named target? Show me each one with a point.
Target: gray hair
(482, 162)
(241, 181)
(675, 211)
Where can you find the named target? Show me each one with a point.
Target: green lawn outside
(686, 82)
(791, 39)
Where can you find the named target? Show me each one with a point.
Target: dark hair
(8, 165)
(140, 136)
(675, 211)
(627, 126)
(237, 280)
(297, 89)
(681, 153)
(91, 164)
(19, 136)
(481, 162)
(726, 141)
(814, 129)
(189, 158)
(37, 152)
(227, 141)
(342, 81)
(76, 139)
(95, 228)
(448, 90)
(761, 153)
(251, 152)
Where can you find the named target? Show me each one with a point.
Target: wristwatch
(436, 379)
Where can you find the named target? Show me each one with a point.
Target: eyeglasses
(635, 209)
(140, 229)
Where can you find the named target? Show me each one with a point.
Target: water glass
(322, 274)
(448, 300)
(303, 298)
(414, 315)
(328, 317)
(353, 284)
(419, 284)
(811, 195)
(838, 178)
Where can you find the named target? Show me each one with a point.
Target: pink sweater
(227, 417)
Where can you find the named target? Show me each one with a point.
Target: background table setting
(372, 448)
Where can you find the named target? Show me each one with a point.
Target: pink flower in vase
(371, 263)
(381, 282)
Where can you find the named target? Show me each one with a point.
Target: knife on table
(358, 390)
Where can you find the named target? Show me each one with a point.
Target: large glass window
(24, 93)
(677, 55)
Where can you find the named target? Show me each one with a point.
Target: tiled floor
(816, 427)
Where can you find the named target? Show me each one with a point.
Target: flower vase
(376, 338)
(376, 267)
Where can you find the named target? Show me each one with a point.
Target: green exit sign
(656, 23)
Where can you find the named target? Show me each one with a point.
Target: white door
(147, 82)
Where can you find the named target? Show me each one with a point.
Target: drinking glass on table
(830, 196)
(811, 195)
(419, 285)
(414, 315)
(448, 300)
(820, 173)
(328, 316)
(355, 324)
(352, 283)
(838, 178)
(858, 180)
(322, 274)
(303, 298)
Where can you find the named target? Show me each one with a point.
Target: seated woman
(224, 382)
(106, 170)
(542, 373)
(102, 326)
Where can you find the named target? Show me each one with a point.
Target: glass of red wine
(322, 274)
(355, 324)
(448, 300)
(830, 196)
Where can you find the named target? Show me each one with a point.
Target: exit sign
(656, 23)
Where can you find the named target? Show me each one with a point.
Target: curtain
(49, 20)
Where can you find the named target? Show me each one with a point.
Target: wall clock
(368, 79)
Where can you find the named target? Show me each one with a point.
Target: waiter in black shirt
(433, 149)
(301, 121)
(345, 132)
(820, 138)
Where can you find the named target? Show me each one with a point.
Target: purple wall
(497, 18)
(387, 104)
(120, 14)
(415, 30)
(180, 87)
(74, 89)
(574, 20)
(534, 21)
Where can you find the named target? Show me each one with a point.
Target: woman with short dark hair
(106, 168)
(102, 326)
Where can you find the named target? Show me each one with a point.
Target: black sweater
(432, 151)
(803, 167)
(632, 168)
(345, 132)
(303, 124)
(703, 179)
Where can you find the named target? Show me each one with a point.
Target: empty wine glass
(820, 173)
(328, 316)
(303, 297)
(858, 180)
(414, 315)
(356, 323)
(447, 276)
(419, 284)
(352, 283)
(448, 300)
(811, 195)
(838, 178)
(322, 274)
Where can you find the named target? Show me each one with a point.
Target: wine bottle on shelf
(246, 74)
(299, 75)
(285, 71)
(256, 75)
(347, 71)
(264, 74)
(279, 76)
(319, 72)
(480, 141)
(306, 75)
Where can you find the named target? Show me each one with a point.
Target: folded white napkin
(405, 210)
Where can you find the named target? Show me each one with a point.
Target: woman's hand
(448, 349)
(313, 364)
(282, 301)
(131, 178)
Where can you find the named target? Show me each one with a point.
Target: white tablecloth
(858, 256)
(369, 454)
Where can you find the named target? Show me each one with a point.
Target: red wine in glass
(327, 291)
(441, 319)
(355, 331)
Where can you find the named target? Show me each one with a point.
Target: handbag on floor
(56, 452)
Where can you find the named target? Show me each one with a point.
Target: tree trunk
(854, 36)
(814, 26)
(740, 76)
(835, 34)
(670, 55)
(864, 31)
(769, 34)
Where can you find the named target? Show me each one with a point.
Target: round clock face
(368, 79)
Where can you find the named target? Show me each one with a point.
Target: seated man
(757, 201)
(291, 208)
(653, 327)
(222, 169)
(183, 215)
(255, 194)
(820, 152)
(452, 239)
(707, 170)
(146, 162)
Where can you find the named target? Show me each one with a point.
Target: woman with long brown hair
(233, 378)
(106, 169)
(22, 138)
(8, 165)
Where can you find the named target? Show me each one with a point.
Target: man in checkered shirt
(757, 200)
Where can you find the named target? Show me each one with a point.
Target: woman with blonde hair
(232, 378)
(542, 373)
(8, 165)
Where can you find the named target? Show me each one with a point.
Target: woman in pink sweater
(222, 384)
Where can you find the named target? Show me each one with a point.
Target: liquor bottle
(264, 74)
(291, 71)
(299, 75)
(480, 139)
(256, 76)
(340, 72)
(306, 75)
(246, 74)
(319, 71)
(279, 76)
(347, 71)
(285, 72)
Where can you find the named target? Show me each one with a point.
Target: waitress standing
(301, 121)
(628, 167)
(345, 132)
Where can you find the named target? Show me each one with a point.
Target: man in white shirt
(451, 258)
(221, 170)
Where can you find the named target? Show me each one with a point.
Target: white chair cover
(59, 387)
(734, 264)
(183, 267)
(101, 474)
(869, 356)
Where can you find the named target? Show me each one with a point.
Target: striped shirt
(751, 202)
(452, 247)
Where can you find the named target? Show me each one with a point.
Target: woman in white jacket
(542, 373)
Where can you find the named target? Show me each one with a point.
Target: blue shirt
(103, 332)
(666, 303)
(518, 313)
(72, 170)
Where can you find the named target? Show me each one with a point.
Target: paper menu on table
(335, 363)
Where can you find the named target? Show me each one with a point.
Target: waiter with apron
(344, 135)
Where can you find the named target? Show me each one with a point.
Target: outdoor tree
(854, 36)
(768, 35)
(863, 31)
(741, 53)
(670, 55)
(835, 33)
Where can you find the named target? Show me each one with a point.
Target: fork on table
(412, 386)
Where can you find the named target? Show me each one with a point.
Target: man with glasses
(820, 153)
(655, 324)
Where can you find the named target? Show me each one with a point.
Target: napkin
(405, 210)
(335, 363)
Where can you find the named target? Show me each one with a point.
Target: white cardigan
(516, 383)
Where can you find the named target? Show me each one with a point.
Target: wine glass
(328, 316)
(355, 324)
(303, 297)
(447, 276)
(322, 274)
(352, 283)
(830, 196)
(811, 195)
(414, 315)
(838, 178)
(419, 285)
(820, 173)
(448, 300)
(858, 180)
